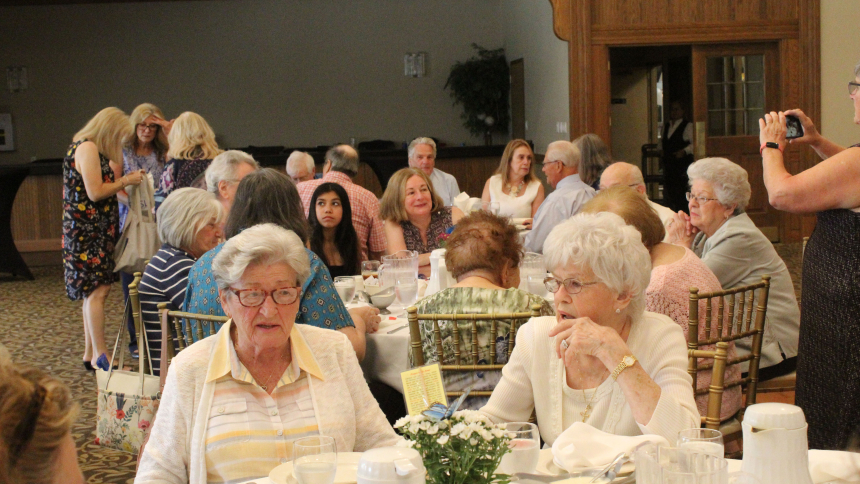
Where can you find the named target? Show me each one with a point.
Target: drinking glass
(672, 465)
(704, 441)
(407, 290)
(525, 449)
(345, 287)
(315, 460)
(370, 268)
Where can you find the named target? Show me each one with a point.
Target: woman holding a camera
(827, 376)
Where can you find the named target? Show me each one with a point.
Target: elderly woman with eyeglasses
(234, 404)
(602, 359)
(728, 242)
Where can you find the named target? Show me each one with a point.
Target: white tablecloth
(386, 354)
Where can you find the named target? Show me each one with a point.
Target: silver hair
(184, 212)
(224, 166)
(297, 157)
(343, 158)
(609, 247)
(569, 152)
(730, 181)
(421, 141)
(857, 70)
(265, 244)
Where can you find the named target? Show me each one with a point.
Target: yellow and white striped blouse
(249, 431)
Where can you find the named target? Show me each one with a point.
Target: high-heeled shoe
(103, 362)
(89, 367)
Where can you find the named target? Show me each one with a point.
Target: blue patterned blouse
(320, 305)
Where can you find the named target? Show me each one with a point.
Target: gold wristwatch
(626, 362)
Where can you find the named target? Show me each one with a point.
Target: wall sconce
(16, 78)
(415, 64)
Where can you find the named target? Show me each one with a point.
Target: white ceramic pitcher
(775, 445)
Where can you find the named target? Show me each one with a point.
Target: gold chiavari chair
(715, 390)
(174, 339)
(137, 317)
(469, 354)
(731, 315)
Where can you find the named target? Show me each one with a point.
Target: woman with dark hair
(334, 242)
(269, 196)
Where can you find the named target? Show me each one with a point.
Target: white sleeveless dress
(513, 207)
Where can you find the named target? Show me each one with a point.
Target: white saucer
(347, 468)
(547, 465)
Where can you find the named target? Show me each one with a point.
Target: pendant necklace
(587, 412)
(515, 190)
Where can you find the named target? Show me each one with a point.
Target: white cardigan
(534, 378)
(344, 407)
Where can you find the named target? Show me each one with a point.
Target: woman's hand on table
(369, 317)
(585, 337)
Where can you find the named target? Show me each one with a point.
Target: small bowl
(382, 301)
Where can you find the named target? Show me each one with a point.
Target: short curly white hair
(730, 181)
(266, 244)
(224, 167)
(604, 243)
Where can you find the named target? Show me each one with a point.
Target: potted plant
(482, 84)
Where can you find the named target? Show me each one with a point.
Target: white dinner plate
(347, 468)
(547, 465)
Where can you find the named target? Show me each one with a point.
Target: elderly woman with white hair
(728, 242)
(602, 359)
(225, 172)
(189, 224)
(234, 404)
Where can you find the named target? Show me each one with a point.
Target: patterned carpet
(42, 328)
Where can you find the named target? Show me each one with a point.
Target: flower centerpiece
(465, 448)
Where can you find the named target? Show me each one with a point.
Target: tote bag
(139, 241)
(127, 401)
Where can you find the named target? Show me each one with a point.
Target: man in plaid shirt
(341, 165)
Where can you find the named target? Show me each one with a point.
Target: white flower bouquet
(466, 448)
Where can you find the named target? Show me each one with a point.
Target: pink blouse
(669, 294)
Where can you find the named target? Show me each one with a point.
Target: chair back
(730, 315)
(174, 339)
(715, 390)
(137, 317)
(465, 359)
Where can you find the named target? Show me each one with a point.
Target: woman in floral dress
(91, 220)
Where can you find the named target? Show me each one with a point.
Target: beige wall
(528, 35)
(262, 72)
(630, 121)
(840, 51)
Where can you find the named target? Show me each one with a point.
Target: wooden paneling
(367, 179)
(471, 173)
(689, 34)
(676, 12)
(37, 215)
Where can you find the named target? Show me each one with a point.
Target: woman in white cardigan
(233, 404)
(602, 359)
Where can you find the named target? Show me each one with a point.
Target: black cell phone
(793, 127)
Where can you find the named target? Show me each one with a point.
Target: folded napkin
(832, 465)
(582, 445)
(466, 204)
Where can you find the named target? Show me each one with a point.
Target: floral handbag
(127, 401)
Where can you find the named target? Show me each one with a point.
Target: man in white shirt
(300, 167)
(561, 167)
(621, 173)
(677, 148)
(422, 155)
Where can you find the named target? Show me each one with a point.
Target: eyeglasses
(700, 200)
(251, 298)
(147, 127)
(27, 426)
(571, 285)
(632, 185)
(852, 88)
(551, 161)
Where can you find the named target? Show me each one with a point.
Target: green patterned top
(474, 300)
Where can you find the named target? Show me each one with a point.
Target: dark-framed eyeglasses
(27, 426)
(147, 127)
(544, 163)
(251, 298)
(571, 285)
(700, 200)
(852, 87)
(631, 185)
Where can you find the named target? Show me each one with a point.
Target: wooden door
(733, 86)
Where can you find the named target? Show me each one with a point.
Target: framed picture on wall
(7, 137)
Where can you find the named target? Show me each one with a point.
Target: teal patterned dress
(473, 300)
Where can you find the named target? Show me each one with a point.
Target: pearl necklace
(515, 190)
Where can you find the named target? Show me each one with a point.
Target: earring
(617, 310)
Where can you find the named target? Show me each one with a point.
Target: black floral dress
(440, 221)
(90, 230)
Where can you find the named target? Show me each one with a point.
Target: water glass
(345, 287)
(525, 448)
(672, 465)
(407, 290)
(315, 460)
(704, 441)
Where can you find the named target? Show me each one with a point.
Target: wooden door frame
(590, 80)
